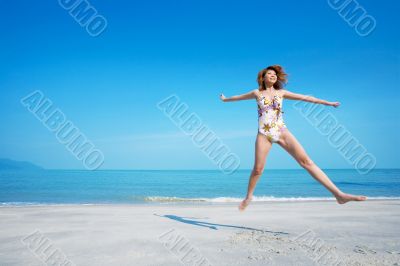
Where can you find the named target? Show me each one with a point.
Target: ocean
(184, 186)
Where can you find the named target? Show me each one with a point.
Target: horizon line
(116, 169)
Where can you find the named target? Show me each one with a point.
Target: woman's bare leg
(294, 148)
(262, 147)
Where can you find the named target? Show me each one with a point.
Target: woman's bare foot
(245, 203)
(343, 198)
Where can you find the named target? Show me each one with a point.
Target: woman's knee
(258, 170)
(306, 162)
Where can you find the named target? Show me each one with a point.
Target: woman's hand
(334, 104)
(222, 97)
(247, 96)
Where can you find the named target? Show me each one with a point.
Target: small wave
(173, 199)
(17, 203)
(160, 199)
(230, 199)
(26, 204)
(353, 184)
(255, 199)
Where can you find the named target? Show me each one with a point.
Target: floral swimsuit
(270, 121)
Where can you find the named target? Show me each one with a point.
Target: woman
(272, 129)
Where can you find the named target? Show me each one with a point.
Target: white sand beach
(274, 233)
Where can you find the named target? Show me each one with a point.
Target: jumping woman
(272, 129)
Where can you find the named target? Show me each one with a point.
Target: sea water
(176, 186)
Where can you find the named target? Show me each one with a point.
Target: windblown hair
(280, 74)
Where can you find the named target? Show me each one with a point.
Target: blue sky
(109, 85)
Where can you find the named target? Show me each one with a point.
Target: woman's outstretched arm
(250, 95)
(295, 96)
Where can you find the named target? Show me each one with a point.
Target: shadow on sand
(187, 220)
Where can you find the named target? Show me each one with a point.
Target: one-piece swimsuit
(270, 120)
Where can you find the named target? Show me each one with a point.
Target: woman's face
(270, 76)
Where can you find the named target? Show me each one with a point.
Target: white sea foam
(255, 199)
(159, 199)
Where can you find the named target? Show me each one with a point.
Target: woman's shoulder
(257, 93)
(281, 93)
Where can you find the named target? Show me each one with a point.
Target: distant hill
(7, 164)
